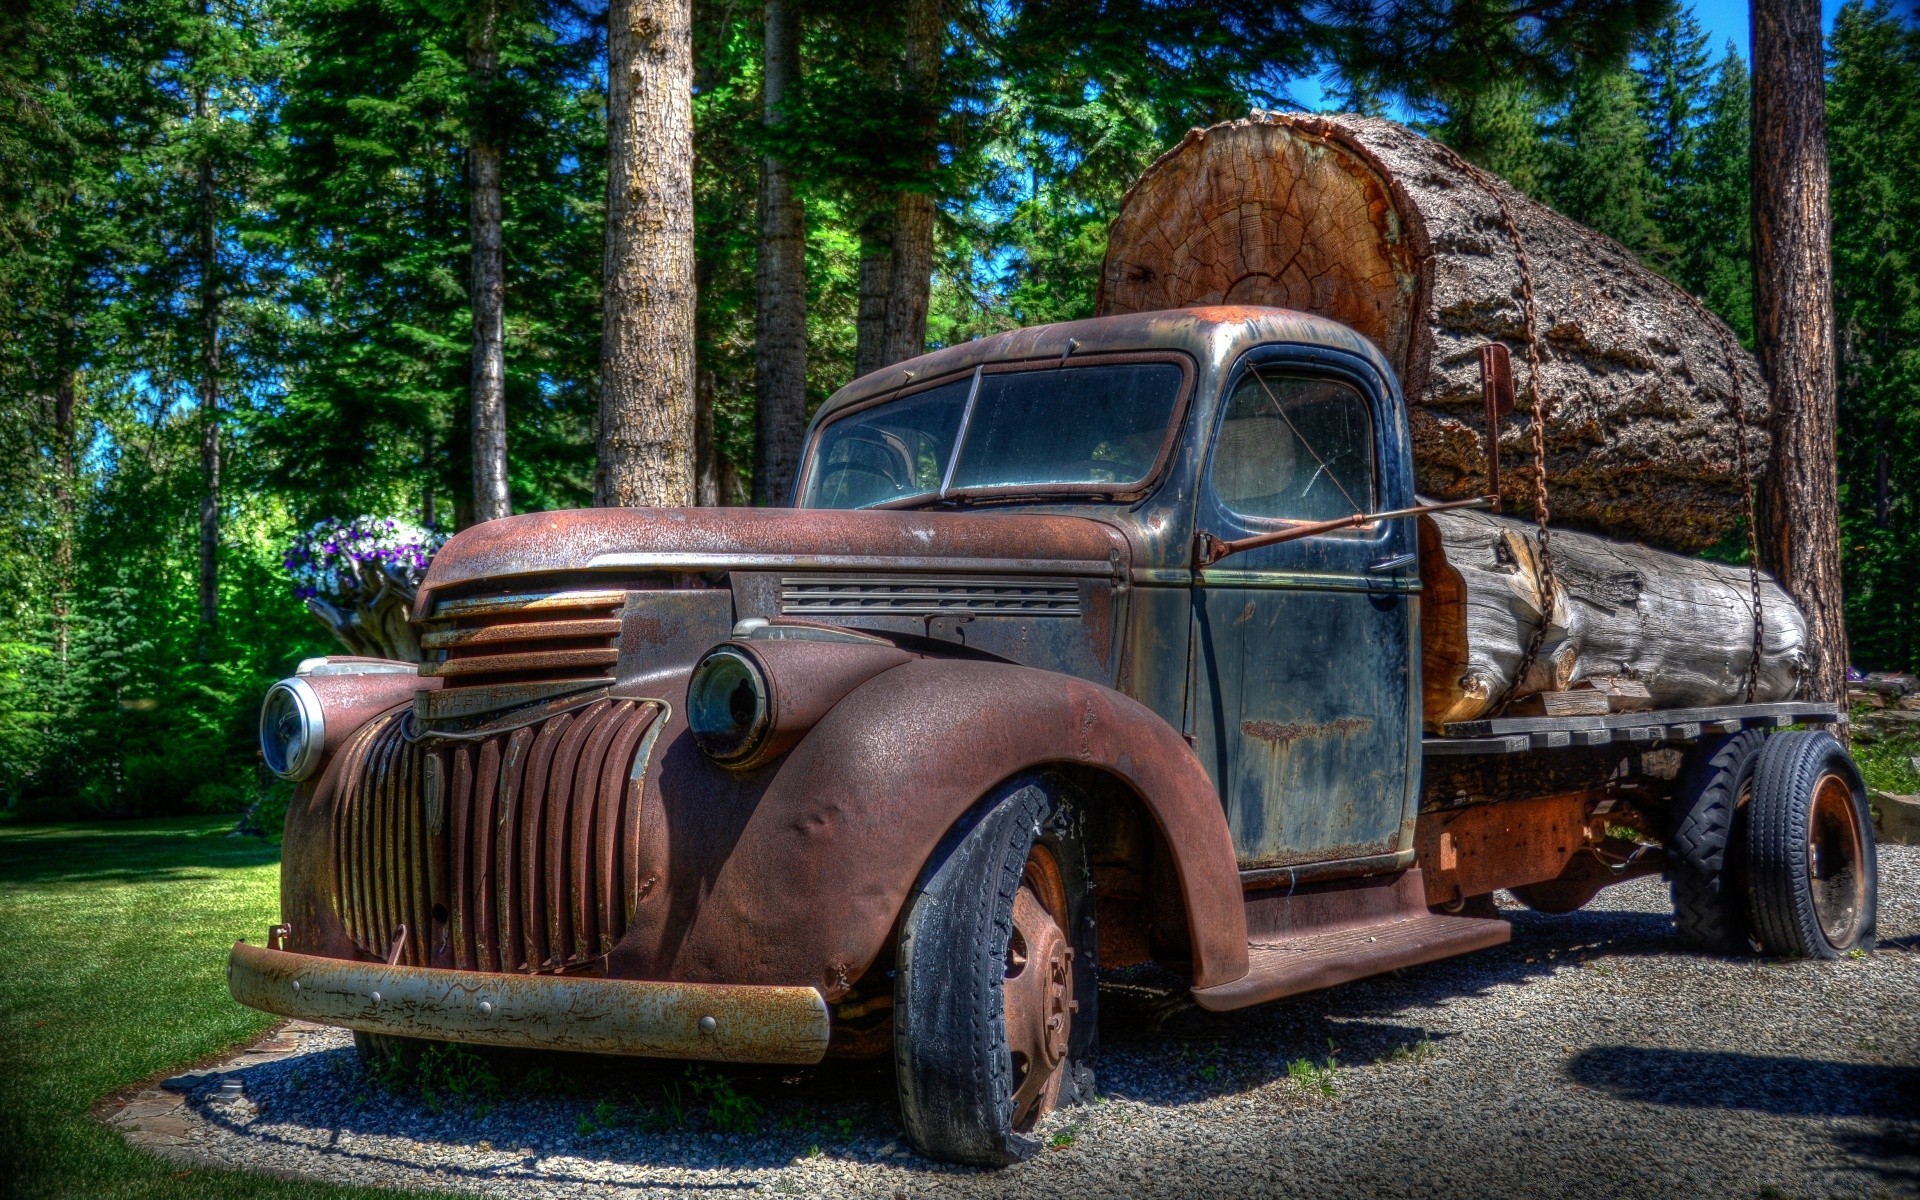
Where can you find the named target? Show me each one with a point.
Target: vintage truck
(1072, 655)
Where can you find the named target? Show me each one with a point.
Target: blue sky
(1723, 20)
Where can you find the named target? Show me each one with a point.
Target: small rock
(1895, 818)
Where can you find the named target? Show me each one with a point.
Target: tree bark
(209, 383)
(780, 323)
(1366, 222)
(1681, 627)
(491, 497)
(876, 277)
(1793, 324)
(910, 283)
(646, 369)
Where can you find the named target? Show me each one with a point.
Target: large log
(1681, 627)
(1364, 221)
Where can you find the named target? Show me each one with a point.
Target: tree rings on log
(1366, 222)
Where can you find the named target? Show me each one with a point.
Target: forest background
(235, 284)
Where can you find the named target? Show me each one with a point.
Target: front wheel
(994, 986)
(1812, 876)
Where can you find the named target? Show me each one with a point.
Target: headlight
(292, 729)
(728, 710)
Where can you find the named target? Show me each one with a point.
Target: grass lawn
(115, 939)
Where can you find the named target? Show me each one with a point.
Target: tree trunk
(910, 284)
(1793, 324)
(780, 324)
(706, 451)
(491, 497)
(876, 276)
(209, 386)
(1364, 221)
(1680, 627)
(63, 492)
(646, 368)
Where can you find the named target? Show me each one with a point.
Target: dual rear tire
(1775, 847)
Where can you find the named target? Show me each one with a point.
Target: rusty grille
(516, 852)
(527, 638)
(922, 596)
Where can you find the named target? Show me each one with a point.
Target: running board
(1303, 943)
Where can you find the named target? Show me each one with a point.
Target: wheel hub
(1038, 992)
(1835, 850)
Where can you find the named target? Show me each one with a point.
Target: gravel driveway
(1589, 1058)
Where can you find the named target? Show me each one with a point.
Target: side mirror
(1496, 388)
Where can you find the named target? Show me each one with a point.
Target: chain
(1543, 564)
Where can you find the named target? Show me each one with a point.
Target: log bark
(491, 497)
(1364, 221)
(1682, 627)
(646, 365)
(1793, 324)
(780, 321)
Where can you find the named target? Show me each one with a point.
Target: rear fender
(817, 872)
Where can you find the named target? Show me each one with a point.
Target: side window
(1295, 446)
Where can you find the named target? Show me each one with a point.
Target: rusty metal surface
(614, 540)
(795, 874)
(717, 1023)
(502, 854)
(1470, 852)
(804, 680)
(350, 701)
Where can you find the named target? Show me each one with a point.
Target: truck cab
(1086, 645)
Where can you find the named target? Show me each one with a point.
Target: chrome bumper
(709, 1021)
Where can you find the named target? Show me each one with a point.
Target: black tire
(1812, 871)
(1706, 854)
(955, 1070)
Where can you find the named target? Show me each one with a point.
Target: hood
(625, 540)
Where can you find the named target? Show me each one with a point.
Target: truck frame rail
(1517, 735)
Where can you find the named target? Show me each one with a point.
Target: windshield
(1097, 427)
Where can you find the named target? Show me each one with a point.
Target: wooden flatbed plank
(1509, 744)
(1778, 713)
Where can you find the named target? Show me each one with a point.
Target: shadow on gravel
(1789, 1087)
(1786, 1087)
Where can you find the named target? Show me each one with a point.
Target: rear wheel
(1812, 874)
(1705, 855)
(994, 987)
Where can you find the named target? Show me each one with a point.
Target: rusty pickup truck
(1084, 647)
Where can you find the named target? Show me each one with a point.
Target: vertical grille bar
(533, 926)
(486, 781)
(580, 850)
(433, 794)
(560, 798)
(457, 855)
(606, 845)
(506, 823)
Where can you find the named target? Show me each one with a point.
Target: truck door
(1305, 679)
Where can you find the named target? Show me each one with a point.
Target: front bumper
(709, 1021)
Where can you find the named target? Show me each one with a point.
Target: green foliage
(1873, 107)
(1598, 155)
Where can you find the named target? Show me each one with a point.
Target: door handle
(1393, 564)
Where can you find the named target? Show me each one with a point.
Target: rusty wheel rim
(1037, 993)
(1836, 853)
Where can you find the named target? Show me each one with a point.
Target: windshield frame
(1000, 493)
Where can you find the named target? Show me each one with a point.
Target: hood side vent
(922, 595)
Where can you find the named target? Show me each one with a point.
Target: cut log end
(1363, 221)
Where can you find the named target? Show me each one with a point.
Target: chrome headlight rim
(729, 705)
(296, 758)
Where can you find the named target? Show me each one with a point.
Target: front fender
(821, 863)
